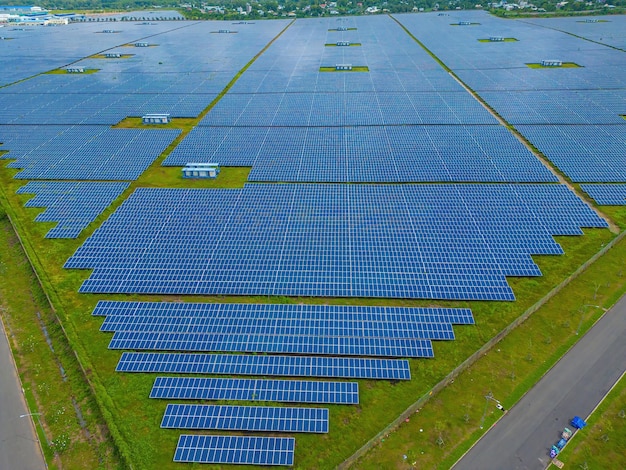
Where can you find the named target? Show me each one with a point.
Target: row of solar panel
(109, 308)
(349, 109)
(96, 108)
(289, 391)
(265, 365)
(246, 418)
(235, 450)
(606, 194)
(273, 344)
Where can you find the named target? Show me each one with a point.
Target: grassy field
(434, 437)
(602, 444)
(71, 430)
(135, 419)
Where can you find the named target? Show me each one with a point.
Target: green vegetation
(565, 65)
(451, 420)
(602, 444)
(53, 383)
(355, 68)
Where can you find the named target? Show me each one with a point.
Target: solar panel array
(235, 450)
(240, 364)
(412, 241)
(366, 153)
(572, 115)
(585, 153)
(246, 418)
(288, 391)
(74, 205)
(85, 152)
(606, 194)
(406, 120)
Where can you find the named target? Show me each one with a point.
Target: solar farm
(394, 215)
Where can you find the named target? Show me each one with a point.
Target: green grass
(355, 68)
(602, 443)
(24, 311)
(507, 371)
(565, 65)
(134, 420)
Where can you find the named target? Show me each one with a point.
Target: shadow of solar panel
(246, 418)
(291, 391)
(235, 450)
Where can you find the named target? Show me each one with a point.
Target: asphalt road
(576, 384)
(19, 447)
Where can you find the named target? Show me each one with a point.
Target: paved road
(522, 438)
(19, 447)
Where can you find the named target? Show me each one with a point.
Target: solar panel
(280, 326)
(277, 344)
(392, 241)
(291, 391)
(116, 310)
(606, 194)
(74, 205)
(291, 366)
(235, 450)
(246, 418)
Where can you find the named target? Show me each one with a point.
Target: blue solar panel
(269, 343)
(583, 153)
(116, 310)
(86, 152)
(403, 241)
(280, 326)
(291, 366)
(246, 418)
(291, 391)
(235, 450)
(381, 153)
(606, 194)
(73, 205)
